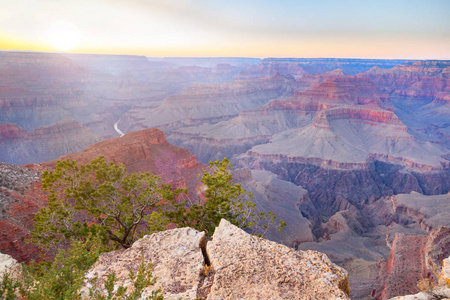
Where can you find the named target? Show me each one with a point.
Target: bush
(63, 278)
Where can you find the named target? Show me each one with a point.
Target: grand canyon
(354, 154)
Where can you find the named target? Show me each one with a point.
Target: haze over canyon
(354, 154)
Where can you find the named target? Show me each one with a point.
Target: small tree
(99, 198)
(223, 199)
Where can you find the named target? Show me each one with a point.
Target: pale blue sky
(258, 28)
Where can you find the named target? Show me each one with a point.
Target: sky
(410, 29)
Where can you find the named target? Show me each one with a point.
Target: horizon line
(237, 57)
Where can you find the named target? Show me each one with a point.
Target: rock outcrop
(248, 267)
(434, 292)
(176, 256)
(145, 151)
(404, 266)
(414, 258)
(444, 278)
(233, 265)
(9, 265)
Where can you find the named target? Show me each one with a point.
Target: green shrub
(63, 277)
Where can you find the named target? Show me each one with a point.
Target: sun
(63, 35)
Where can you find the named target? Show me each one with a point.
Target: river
(116, 128)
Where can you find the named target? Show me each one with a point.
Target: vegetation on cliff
(99, 206)
(63, 278)
(101, 198)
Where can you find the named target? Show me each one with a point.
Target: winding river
(116, 128)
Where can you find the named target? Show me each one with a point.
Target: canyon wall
(347, 141)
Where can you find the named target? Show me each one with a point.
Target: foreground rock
(248, 267)
(234, 265)
(175, 254)
(9, 265)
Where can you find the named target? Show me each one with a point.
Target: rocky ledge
(233, 265)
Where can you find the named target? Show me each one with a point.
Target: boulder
(176, 257)
(249, 267)
(234, 265)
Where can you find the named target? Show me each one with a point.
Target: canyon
(353, 154)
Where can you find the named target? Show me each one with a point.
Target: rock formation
(413, 258)
(145, 151)
(208, 103)
(21, 195)
(43, 143)
(233, 265)
(9, 265)
(176, 256)
(282, 198)
(404, 268)
(439, 291)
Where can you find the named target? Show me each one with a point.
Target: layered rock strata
(145, 151)
(208, 103)
(43, 143)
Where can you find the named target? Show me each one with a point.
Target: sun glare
(63, 35)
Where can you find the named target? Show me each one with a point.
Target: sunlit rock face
(240, 266)
(145, 151)
(9, 265)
